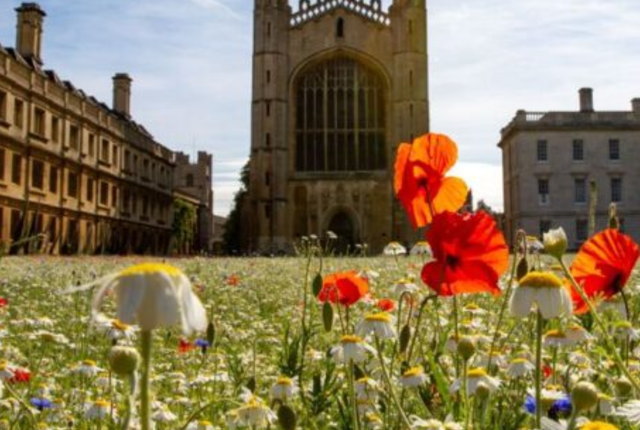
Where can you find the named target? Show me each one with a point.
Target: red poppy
(386, 305)
(470, 254)
(20, 375)
(3, 302)
(185, 346)
(233, 280)
(603, 266)
(419, 180)
(345, 288)
(547, 371)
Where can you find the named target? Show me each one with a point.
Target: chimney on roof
(122, 93)
(635, 106)
(586, 99)
(29, 31)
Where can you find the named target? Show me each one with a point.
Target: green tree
(233, 227)
(182, 230)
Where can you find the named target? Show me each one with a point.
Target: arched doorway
(342, 225)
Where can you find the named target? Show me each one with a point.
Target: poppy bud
(584, 396)
(466, 347)
(405, 337)
(211, 333)
(482, 391)
(286, 418)
(123, 360)
(317, 285)
(555, 242)
(522, 269)
(327, 316)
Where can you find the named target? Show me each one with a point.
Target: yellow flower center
(379, 317)
(283, 380)
(540, 280)
(119, 325)
(149, 268)
(101, 403)
(414, 371)
(205, 423)
(478, 372)
(350, 338)
(472, 307)
(519, 361)
(555, 334)
(598, 425)
(89, 363)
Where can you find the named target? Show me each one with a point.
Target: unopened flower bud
(555, 242)
(123, 360)
(482, 391)
(584, 396)
(466, 347)
(623, 387)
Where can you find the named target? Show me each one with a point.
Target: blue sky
(191, 65)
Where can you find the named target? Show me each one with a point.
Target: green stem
(133, 382)
(596, 318)
(387, 380)
(354, 399)
(465, 368)
(538, 368)
(145, 415)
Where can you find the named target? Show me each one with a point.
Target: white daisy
(546, 291)
(351, 348)
(394, 248)
(380, 324)
(520, 367)
(284, 388)
(475, 378)
(413, 377)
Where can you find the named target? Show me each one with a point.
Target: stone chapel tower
(337, 85)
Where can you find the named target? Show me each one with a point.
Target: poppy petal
(436, 151)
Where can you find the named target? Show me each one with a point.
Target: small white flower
(413, 377)
(630, 411)
(351, 348)
(87, 368)
(152, 295)
(200, 425)
(543, 289)
(284, 388)
(394, 248)
(98, 410)
(380, 324)
(421, 248)
(255, 413)
(164, 415)
(520, 367)
(555, 242)
(475, 378)
(405, 285)
(367, 388)
(430, 424)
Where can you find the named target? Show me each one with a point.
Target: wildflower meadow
(457, 331)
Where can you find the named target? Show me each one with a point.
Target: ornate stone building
(550, 160)
(83, 176)
(337, 85)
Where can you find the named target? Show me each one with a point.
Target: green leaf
(211, 333)
(287, 418)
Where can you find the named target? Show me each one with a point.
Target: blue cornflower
(202, 343)
(559, 406)
(41, 403)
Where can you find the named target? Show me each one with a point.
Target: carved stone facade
(551, 159)
(80, 176)
(337, 85)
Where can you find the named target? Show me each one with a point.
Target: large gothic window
(340, 118)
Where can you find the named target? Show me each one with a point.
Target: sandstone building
(84, 176)
(337, 85)
(550, 159)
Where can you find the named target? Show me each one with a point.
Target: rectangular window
(72, 184)
(90, 186)
(18, 113)
(2, 155)
(614, 149)
(543, 191)
(544, 226)
(92, 144)
(126, 196)
(3, 106)
(578, 150)
(581, 230)
(541, 150)
(55, 129)
(38, 121)
(616, 190)
(104, 193)
(104, 151)
(37, 174)
(16, 169)
(580, 190)
(74, 137)
(53, 179)
(114, 158)
(127, 159)
(114, 195)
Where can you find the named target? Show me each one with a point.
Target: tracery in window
(340, 118)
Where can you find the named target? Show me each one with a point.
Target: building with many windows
(337, 85)
(78, 174)
(552, 159)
